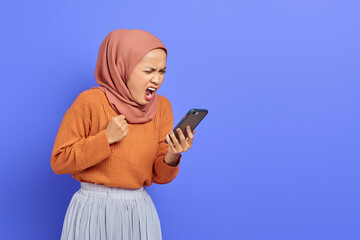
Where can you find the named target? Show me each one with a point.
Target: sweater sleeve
(74, 150)
(162, 172)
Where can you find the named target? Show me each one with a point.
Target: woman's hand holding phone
(176, 147)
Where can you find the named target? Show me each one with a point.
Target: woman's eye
(148, 72)
(163, 72)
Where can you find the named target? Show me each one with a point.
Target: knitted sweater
(81, 147)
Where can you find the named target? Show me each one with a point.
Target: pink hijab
(119, 53)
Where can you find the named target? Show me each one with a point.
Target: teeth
(151, 89)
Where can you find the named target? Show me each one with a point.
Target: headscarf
(119, 53)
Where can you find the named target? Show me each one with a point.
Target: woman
(112, 140)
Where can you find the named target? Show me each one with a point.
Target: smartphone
(192, 118)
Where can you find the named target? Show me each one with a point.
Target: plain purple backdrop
(276, 158)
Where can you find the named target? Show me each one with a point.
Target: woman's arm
(166, 165)
(74, 150)
(163, 172)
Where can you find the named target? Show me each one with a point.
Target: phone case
(193, 117)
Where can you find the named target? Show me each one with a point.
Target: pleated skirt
(97, 212)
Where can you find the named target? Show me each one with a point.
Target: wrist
(172, 159)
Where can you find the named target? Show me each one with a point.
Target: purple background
(277, 157)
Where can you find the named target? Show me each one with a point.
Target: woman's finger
(183, 141)
(190, 137)
(175, 141)
(170, 143)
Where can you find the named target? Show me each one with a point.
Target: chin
(143, 102)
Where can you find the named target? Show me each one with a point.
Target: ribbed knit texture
(81, 147)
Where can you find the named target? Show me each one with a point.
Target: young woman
(111, 139)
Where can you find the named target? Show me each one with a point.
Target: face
(147, 76)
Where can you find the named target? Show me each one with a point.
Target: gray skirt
(99, 212)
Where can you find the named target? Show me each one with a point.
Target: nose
(156, 79)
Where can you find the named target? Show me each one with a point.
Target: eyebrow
(153, 69)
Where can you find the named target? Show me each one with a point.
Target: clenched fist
(117, 129)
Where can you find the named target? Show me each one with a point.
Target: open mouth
(149, 93)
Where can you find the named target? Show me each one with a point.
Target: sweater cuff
(163, 172)
(98, 148)
(168, 170)
(104, 145)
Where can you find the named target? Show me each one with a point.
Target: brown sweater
(81, 147)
